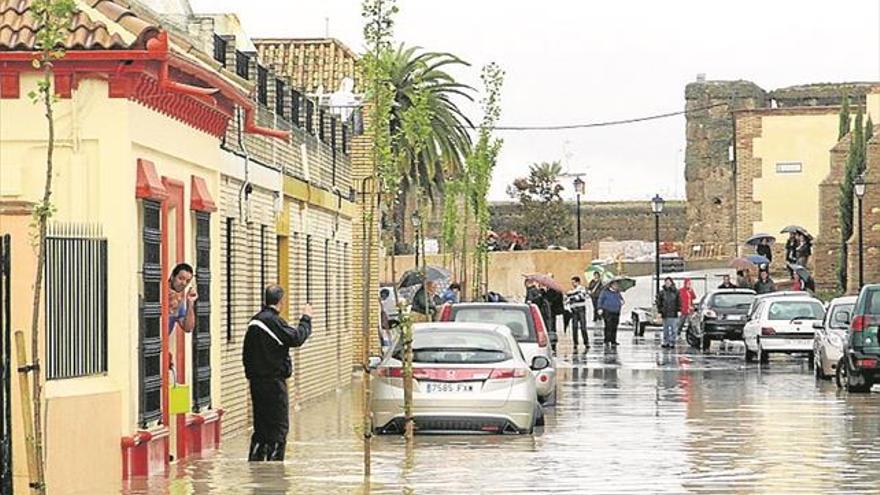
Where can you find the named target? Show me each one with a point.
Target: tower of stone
(709, 165)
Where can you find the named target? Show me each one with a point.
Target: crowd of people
(606, 301)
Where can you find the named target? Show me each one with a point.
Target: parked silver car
(467, 378)
(831, 335)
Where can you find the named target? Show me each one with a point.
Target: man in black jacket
(267, 365)
(669, 306)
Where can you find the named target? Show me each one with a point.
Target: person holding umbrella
(791, 246)
(610, 304)
(765, 284)
(804, 249)
(534, 295)
(764, 249)
(594, 289)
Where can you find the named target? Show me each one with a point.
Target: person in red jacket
(688, 297)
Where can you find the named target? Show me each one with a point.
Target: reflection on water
(639, 419)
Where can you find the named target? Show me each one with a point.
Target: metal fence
(5, 359)
(76, 301)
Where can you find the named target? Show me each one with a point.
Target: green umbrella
(604, 273)
(623, 283)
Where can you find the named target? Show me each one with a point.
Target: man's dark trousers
(271, 419)
(612, 320)
(579, 324)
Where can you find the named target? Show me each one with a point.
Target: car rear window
(789, 310)
(516, 319)
(450, 346)
(732, 301)
(869, 303)
(840, 316)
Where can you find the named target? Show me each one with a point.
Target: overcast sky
(586, 61)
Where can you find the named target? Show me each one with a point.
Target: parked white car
(782, 324)
(830, 336)
(467, 378)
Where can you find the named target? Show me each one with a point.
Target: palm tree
(427, 166)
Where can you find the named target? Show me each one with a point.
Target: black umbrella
(434, 273)
(758, 239)
(802, 271)
(797, 229)
(623, 283)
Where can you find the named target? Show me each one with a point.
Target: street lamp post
(859, 187)
(657, 208)
(579, 189)
(417, 224)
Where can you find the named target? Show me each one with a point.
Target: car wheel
(841, 375)
(811, 359)
(818, 369)
(539, 416)
(549, 400)
(751, 356)
(692, 339)
(706, 343)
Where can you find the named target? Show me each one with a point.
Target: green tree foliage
(54, 17)
(844, 125)
(855, 165)
(543, 217)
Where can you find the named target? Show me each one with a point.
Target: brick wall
(620, 220)
(244, 285)
(871, 224)
(749, 168)
(826, 252)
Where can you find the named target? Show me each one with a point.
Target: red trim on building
(64, 85)
(200, 196)
(9, 86)
(148, 184)
(146, 452)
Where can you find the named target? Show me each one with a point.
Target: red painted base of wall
(146, 453)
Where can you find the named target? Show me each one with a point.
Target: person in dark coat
(804, 250)
(764, 249)
(610, 305)
(594, 289)
(669, 306)
(557, 306)
(534, 295)
(726, 283)
(791, 246)
(267, 366)
(765, 284)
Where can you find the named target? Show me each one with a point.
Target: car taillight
(768, 331)
(446, 312)
(389, 372)
(540, 331)
(859, 323)
(544, 378)
(503, 373)
(866, 363)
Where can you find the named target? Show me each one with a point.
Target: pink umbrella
(546, 281)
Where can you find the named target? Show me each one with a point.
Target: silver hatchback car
(830, 336)
(467, 378)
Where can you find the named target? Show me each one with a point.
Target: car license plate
(735, 317)
(448, 388)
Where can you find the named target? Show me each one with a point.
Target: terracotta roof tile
(18, 27)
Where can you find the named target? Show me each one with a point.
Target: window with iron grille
(345, 138)
(310, 110)
(242, 61)
(201, 344)
(327, 280)
(229, 288)
(220, 49)
(262, 85)
(333, 147)
(308, 269)
(262, 261)
(280, 90)
(321, 135)
(149, 334)
(295, 103)
(76, 302)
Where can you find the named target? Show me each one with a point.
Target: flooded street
(638, 420)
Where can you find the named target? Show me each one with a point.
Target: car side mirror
(374, 362)
(540, 362)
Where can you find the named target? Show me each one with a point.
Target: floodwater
(639, 420)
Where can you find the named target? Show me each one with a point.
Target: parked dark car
(719, 315)
(859, 368)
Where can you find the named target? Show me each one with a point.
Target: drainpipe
(246, 187)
